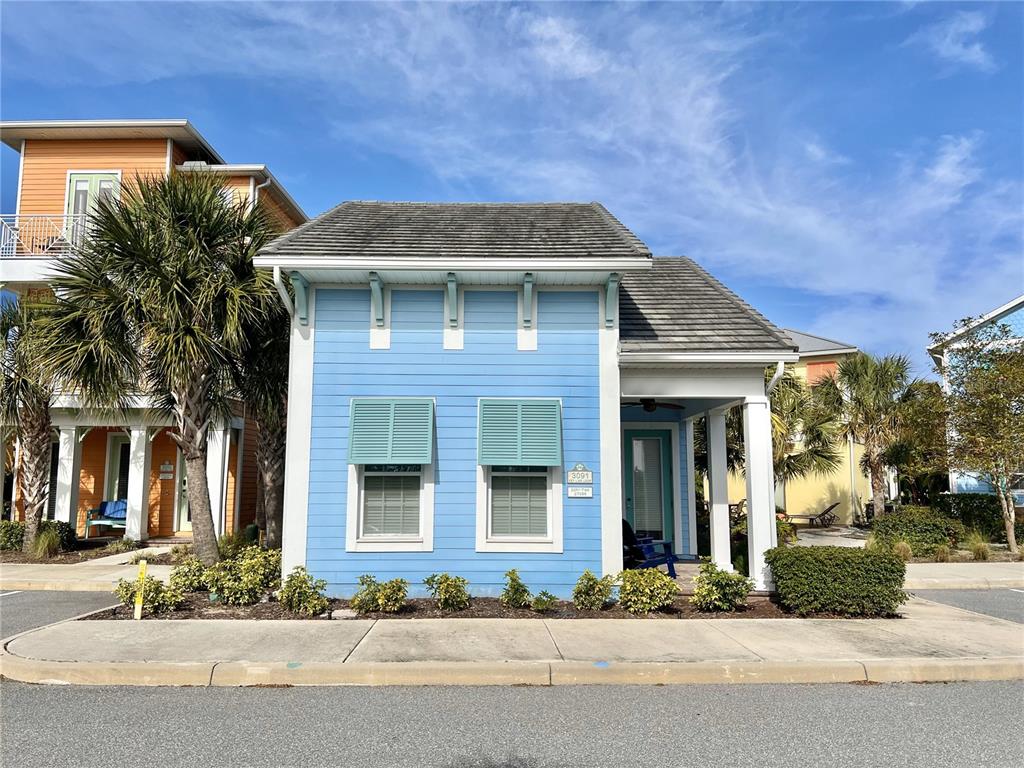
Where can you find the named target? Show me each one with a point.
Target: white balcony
(29, 244)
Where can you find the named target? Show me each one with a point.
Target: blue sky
(853, 170)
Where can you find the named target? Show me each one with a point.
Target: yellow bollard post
(139, 591)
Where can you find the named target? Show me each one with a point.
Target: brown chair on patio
(825, 518)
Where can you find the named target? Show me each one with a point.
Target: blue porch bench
(646, 552)
(112, 514)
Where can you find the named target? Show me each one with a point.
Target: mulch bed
(198, 606)
(964, 556)
(87, 550)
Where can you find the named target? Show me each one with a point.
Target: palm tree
(869, 394)
(155, 303)
(805, 431)
(261, 378)
(25, 395)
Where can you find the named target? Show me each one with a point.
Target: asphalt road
(1002, 603)
(969, 724)
(21, 611)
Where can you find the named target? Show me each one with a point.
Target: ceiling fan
(650, 405)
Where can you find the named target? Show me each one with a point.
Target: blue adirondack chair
(645, 551)
(112, 514)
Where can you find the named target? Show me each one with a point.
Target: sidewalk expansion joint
(359, 641)
(727, 636)
(213, 668)
(557, 649)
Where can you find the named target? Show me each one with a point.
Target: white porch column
(137, 521)
(757, 441)
(691, 486)
(216, 464)
(68, 464)
(718, 485)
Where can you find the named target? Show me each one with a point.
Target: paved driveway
(1002, 603)
(22, 611)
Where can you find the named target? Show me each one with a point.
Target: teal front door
(648, 482)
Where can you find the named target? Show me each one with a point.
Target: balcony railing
(40, 234)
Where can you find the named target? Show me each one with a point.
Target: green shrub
(838, 580)
(12, 534)
(47, 543)
(251, 534)
(450, 592)
(543, 602)
(904, 551)
(786, 531)
(646, 590)
(942, 553)
(189, 575)
(120, 546)
(592, 593)
(246, 578)
(718, 590)
(391, 595)
(301, 593)
(515, 595)
(181, 552)
(67, 539)
(372, 596)
(921, 528)
(980, 511)
(977, 543)
(231, 545)
(156, 596)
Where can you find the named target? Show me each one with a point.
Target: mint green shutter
(520, 433)
(391, 431)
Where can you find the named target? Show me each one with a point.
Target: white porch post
(718, 485)
(68, 463)
(691, 486)
(216, 463)
(137, 521)
(757, 441)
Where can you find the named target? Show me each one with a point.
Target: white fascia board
(1008, 306)
(254, 170)
(682, 358)
(26, 269)
(829, 352)
(455, 265)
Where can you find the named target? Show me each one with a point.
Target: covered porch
(662, 407)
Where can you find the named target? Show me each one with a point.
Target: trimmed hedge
(12, 534)
(920, 527)
(976, 510)
(837, 580)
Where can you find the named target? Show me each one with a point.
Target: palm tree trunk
(204, 537)
(877, 472)
(34, 475)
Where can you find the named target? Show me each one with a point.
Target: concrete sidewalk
(932, 642)
(76, 577)
(964, 576)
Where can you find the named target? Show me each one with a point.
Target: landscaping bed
(86, 550)
(995, 555)
(198, 606)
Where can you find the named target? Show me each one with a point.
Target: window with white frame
(518, 504)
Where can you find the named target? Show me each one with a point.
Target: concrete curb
(241, 674)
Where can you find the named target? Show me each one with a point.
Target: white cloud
(650, 115)
(955, 40)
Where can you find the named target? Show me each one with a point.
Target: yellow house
(65, 167)
(847, 485)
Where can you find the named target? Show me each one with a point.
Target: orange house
(65, 168)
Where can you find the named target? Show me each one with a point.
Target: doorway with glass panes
(649, 481)
(86, 189)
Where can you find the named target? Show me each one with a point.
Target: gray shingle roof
(808, 343)
(678, 307)
(461, 230)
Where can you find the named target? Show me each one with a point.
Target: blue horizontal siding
(565, 365)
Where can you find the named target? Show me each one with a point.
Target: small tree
(920, 454)
(805, 431)
(869, 394)
(984, 375)
(156, 303)
(25, 394)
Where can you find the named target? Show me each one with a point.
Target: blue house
(479, 387)
(1011, 315)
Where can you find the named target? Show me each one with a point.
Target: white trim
(253, 197)
(1007, 307)
(353, 506)
(69, 455)
(554, 543)
(380, 337)
(119, 434)
(88, 171)
(677, 469)
(21, 175)
(299, 434)
(718, 487)
(170, 152)
(139, 457)
(691, 484)
(448, 264)
(610, 416)
(641, 358)
(757, 440)
(526, 338)
(829, 353)
(454, 338)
